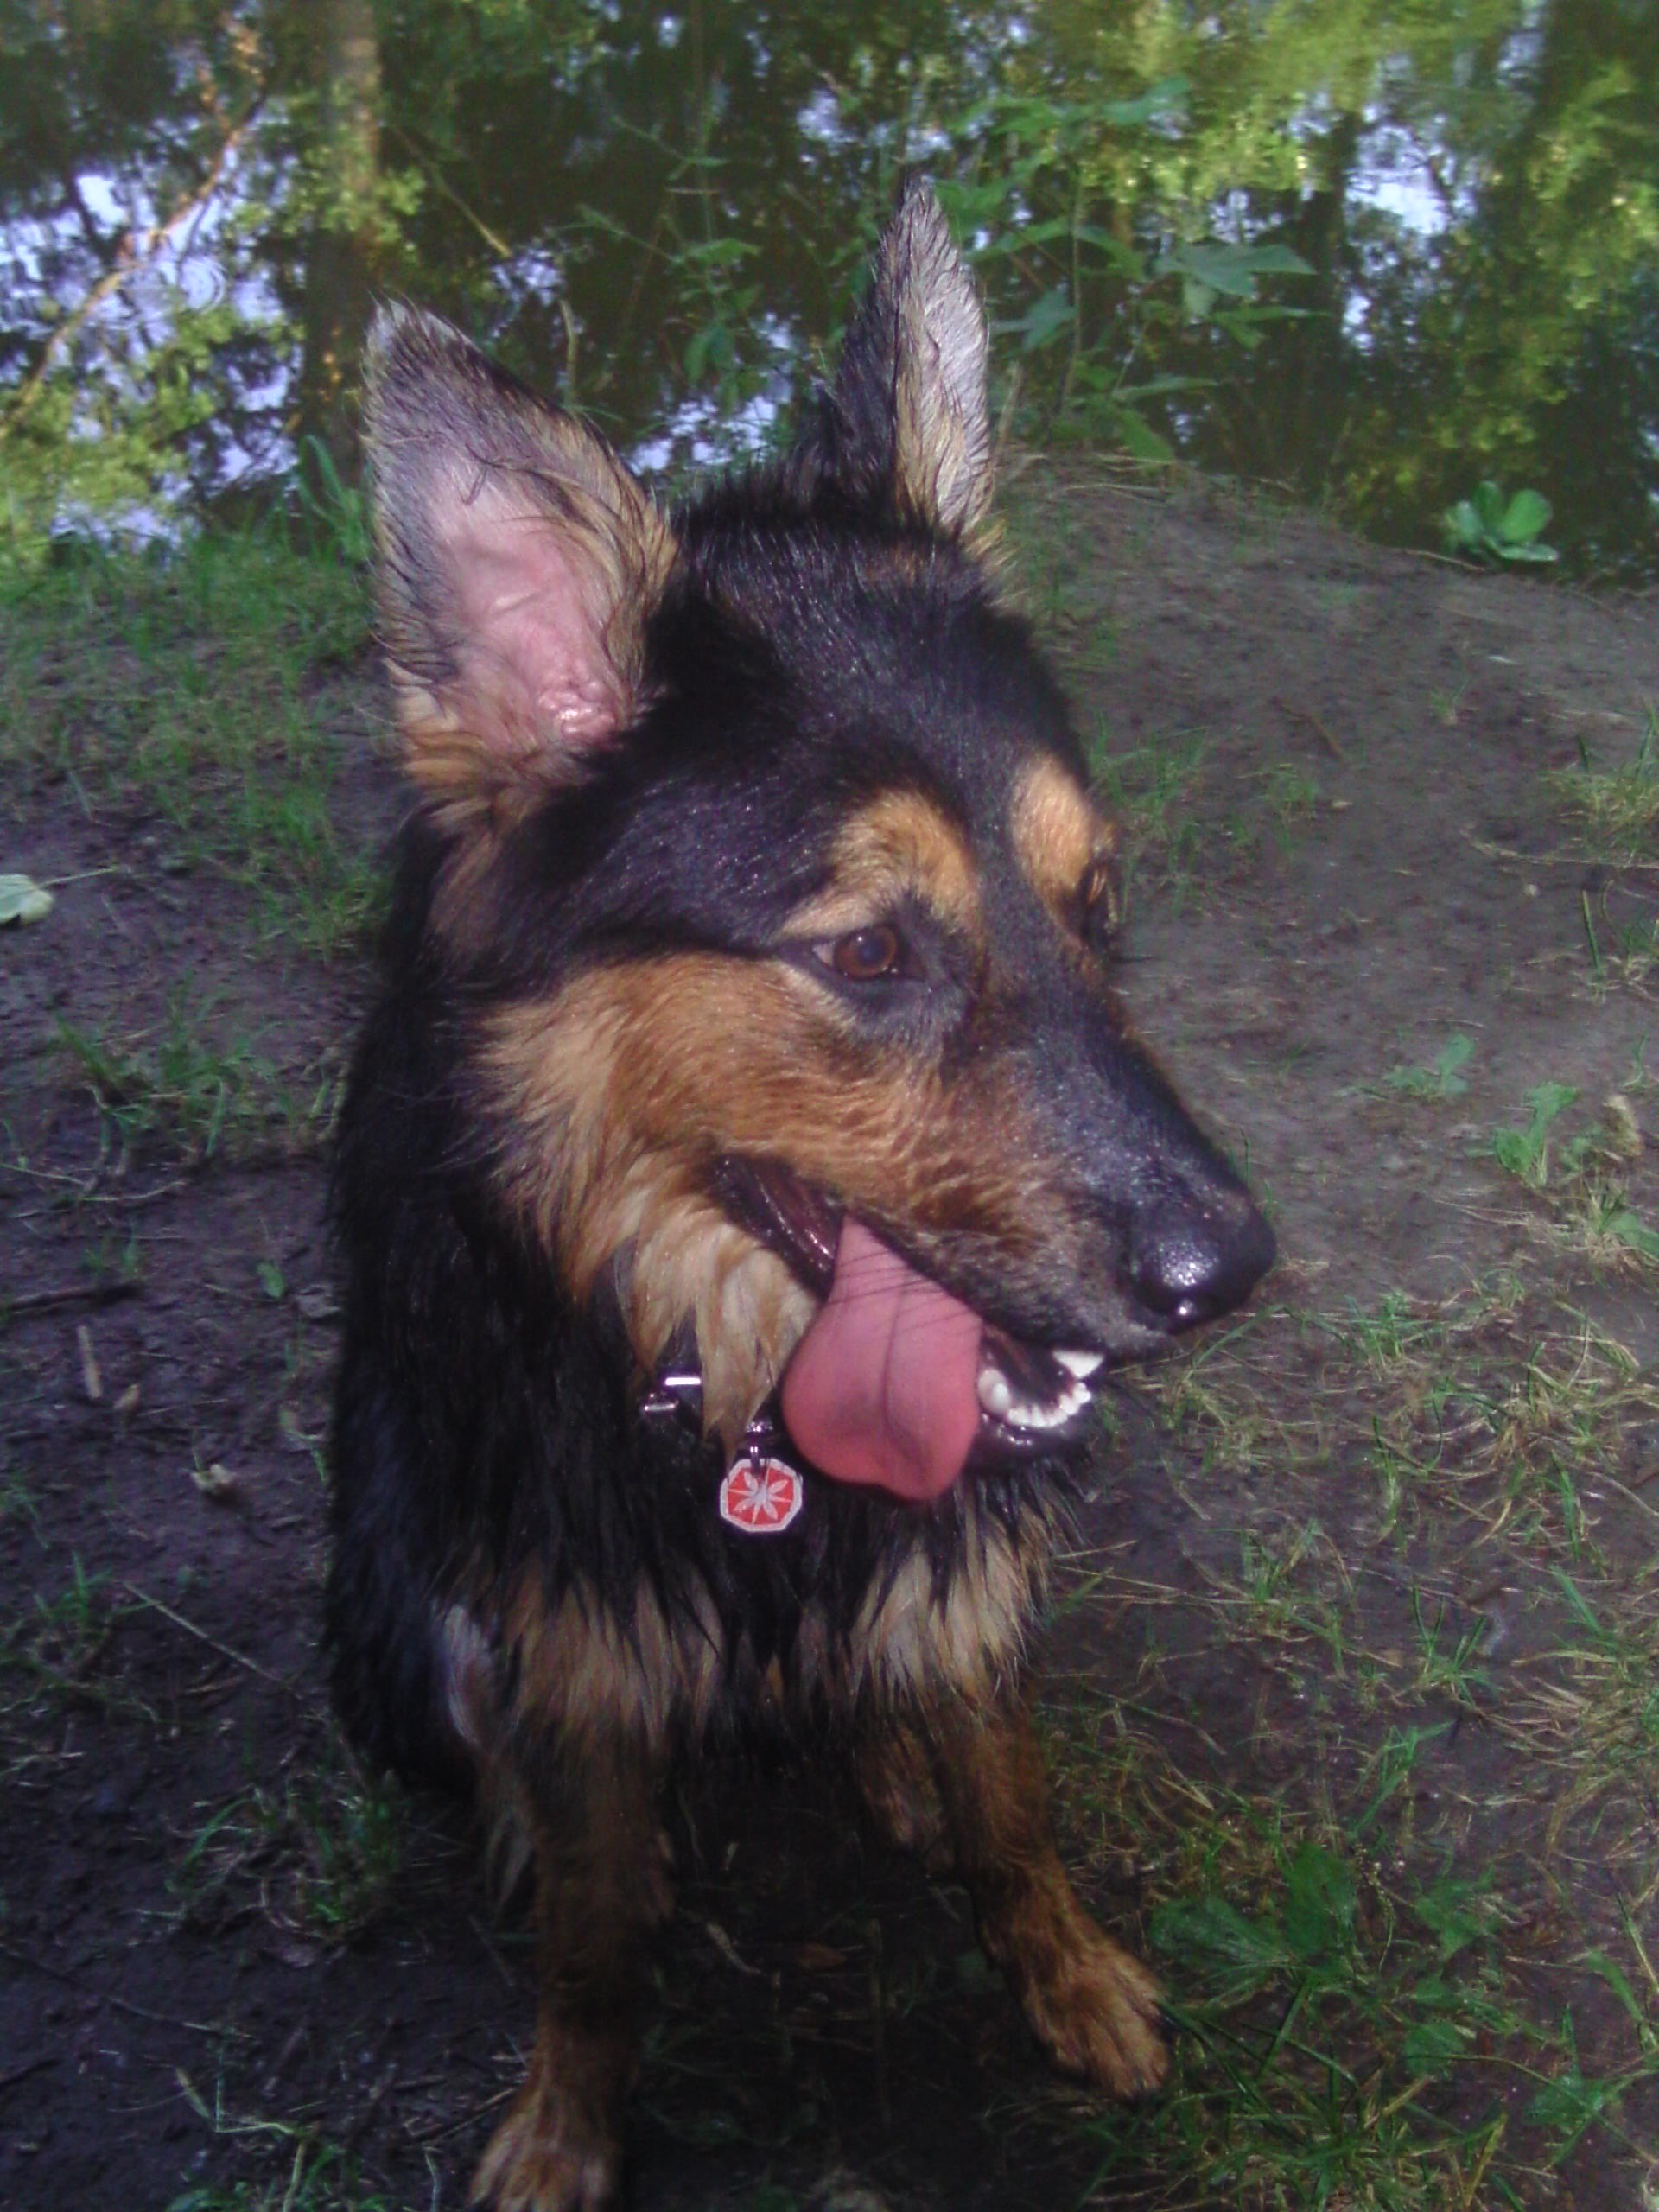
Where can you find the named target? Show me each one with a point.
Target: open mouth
(898, 1384)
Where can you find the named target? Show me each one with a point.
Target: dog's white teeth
(994, 1393)
(1054, 1414)
(1082, 1364)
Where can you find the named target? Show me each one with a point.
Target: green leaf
(1231, 269)
(1617, 1980)
(1457, 1050)
(712, 343)
(1432, 2045)
(1167, 93)
(1488, 506)
(968, 205)
(1628, 1228)
(1528, 552)
(1571, 2104)
(1124, 259)
(1524, 516)
(1319, 1904)
(1026, 234)
(1278, 261)
(21, 900)
(718, 253)
(1513, 1153)
(1453, 1913)
(1212, 1929)
(1546, 1101)
(1584, 1612)
(1142, 440)
(1045, 319)
(270, 1279)
(1239, 324)
(1133, 394)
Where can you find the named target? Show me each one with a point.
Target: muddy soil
(231, 1965)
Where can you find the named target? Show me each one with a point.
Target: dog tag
(761, 1495)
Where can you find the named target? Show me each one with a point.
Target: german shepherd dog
(745, 1172)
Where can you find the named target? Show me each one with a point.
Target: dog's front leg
(602, 1886)
(1092, 2004)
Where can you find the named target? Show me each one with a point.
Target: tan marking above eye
(898, 846)
(1064, 845)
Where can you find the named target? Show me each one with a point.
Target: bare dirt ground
(1351, 1694)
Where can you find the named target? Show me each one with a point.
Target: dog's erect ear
(908, 422)
(518, 562)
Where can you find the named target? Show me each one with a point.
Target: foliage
(1487, 528)
(1525, 1153)
(1089, 302)
(1187, 224)
(1443, 1079)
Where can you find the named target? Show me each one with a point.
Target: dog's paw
(1098, 2012)
(537, 2162)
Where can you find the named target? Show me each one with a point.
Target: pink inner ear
(529, 611)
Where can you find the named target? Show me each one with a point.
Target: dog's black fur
(684, 783)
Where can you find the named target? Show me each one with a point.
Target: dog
(746, 1173)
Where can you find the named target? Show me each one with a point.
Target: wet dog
(746, 1171)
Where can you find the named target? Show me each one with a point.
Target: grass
(1292, 796)
(1055, 576)
(1451, 1724)
(1353, 2029)
(199, 1094)
(305, 2171)
(1618, 806)
(1594, 1715)
(1585, 1179)
(1149, 791)
(317, 1854)
(59, 1652)
(190, 698)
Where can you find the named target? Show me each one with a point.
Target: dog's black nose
(1190, 1263)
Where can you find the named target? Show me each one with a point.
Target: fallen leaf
(729, 1951)
(90, 1381)
(21, 900)
(127, 1403)
(218, 1482)
(818, 1958)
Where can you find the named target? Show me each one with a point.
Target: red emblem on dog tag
(761, 1495)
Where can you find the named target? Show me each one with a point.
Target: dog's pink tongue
(883, 1388)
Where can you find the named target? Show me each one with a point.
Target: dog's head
(776, 910)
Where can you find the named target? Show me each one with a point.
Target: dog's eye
(867, 954)
(1099, 905)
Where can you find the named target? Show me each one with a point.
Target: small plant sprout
(1442, 1079)
(1487, 528)
(1524, 1154)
